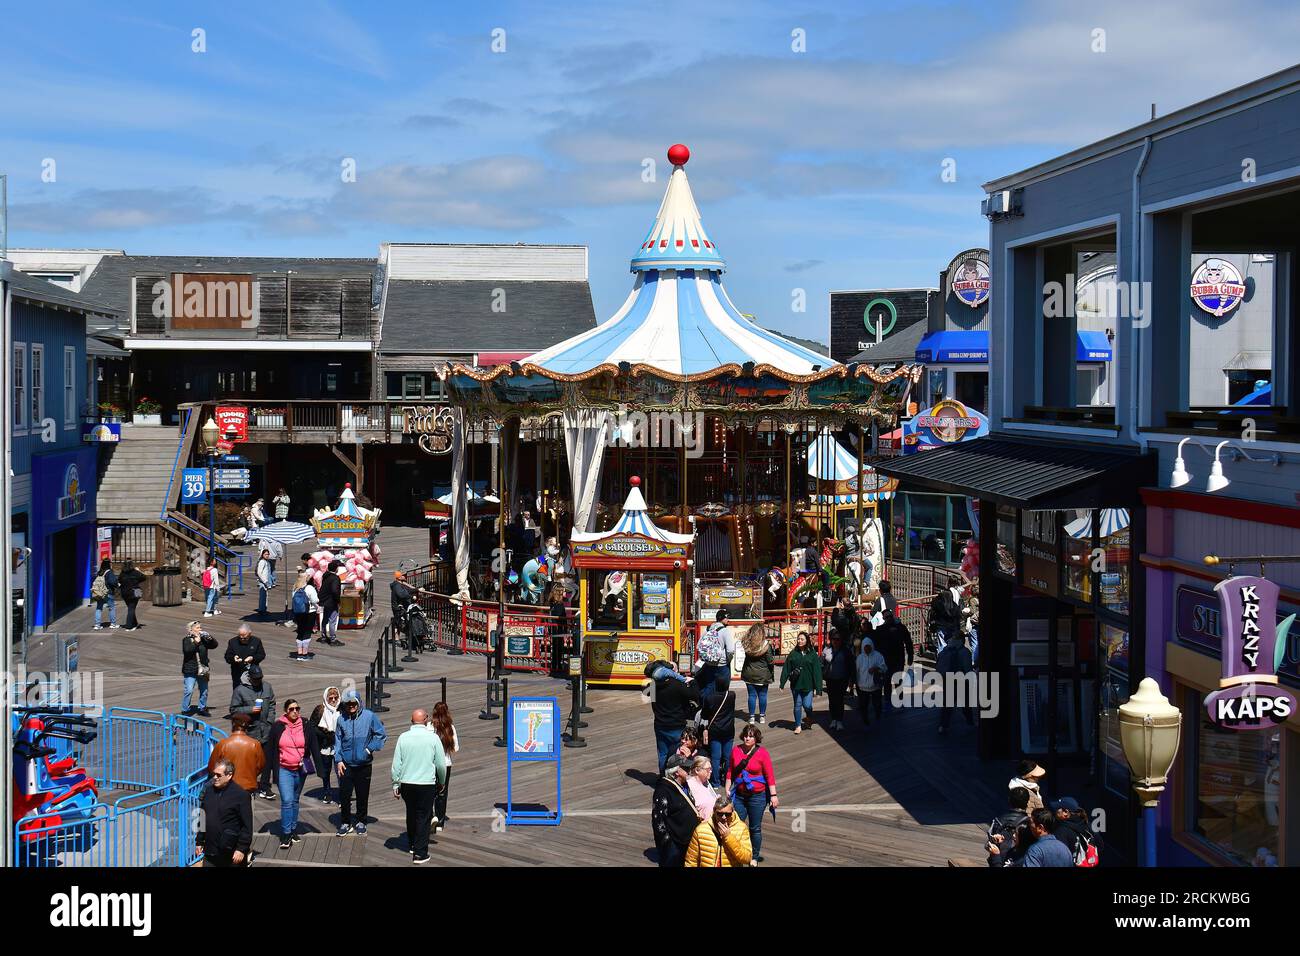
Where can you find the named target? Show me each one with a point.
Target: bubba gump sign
(1254, 643)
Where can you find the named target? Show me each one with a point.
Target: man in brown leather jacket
(242, 750)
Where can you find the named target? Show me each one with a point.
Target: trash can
(166, 587)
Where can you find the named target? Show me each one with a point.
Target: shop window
(1100, 305)
(1076, 554)
(607, 600)
(1113, 653)
(1006, 541)
(959, 529)
(651, 601)
(927, 521)
(972, 390)
(1234, 787)
(1113, 576)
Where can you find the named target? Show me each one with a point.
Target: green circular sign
(893, 317)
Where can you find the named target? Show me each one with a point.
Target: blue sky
(814, 170)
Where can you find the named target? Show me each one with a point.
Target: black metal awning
(1029, 473)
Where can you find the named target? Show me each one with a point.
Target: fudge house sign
(1254, 645)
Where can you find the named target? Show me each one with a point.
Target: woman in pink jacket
(291, 742)
(751, 781)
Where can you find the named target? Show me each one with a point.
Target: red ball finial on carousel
(348, 486)
(678, 154)
(634, 481)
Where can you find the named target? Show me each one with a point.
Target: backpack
(99, 587)
(207, 577)
(712, 649)
(1085, 851)
(300, 603)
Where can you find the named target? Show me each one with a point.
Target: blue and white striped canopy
(284, 532)
(828, 460)
(678, 318)
(634, 521)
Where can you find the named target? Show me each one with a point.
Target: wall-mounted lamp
(1217, 480)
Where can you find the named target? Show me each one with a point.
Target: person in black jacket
(227, 832)
(894, 641)
(845, 620)
(109, 599)
(131, 581)
(241, 651)
(1072, 827)
(559, 630)
(194, 667)
(1001, 846)
(718, 726)
(674, 702)
(673, 817)
(331, 595)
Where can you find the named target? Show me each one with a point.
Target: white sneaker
(207, 614)
(762, 718)
(114, 627)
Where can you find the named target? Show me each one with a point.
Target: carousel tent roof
(634, 521)
(678, 318)
(828, 460)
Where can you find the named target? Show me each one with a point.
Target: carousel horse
(540, 566)
(858, 566)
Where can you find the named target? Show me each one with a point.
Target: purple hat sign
(1254, 644)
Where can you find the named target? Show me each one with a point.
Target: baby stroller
(413, 627)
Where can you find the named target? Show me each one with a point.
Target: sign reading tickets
(1254, 645)
(623, 660)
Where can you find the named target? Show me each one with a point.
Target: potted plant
(109, 413)
(147, 412)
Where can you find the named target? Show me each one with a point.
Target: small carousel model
(347, 533)
(632, 582)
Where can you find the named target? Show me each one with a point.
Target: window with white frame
(69, 386)
(38, 385)
(20, 388)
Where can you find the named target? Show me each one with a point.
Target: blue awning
(953, 346)
(1093, 347)
(1260, 396)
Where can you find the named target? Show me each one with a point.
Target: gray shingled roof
(109, 286)
(442, 315)
(39, 290)
(811, 344)
(896, 349)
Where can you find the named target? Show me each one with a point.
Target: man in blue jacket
(358, 735)
(1046, 850)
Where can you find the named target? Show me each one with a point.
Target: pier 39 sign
(1253, 649)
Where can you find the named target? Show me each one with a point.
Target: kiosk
(632, 586)
(346, 530)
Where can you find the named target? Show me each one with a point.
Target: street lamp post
(1150, 728)
(211, 434)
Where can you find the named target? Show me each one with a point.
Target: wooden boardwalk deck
(894, 794)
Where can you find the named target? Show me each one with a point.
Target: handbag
(308, 765)
(704, 728)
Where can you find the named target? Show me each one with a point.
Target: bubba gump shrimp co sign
(1250, 696)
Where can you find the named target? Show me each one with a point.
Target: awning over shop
(1028, 473)
(1093, 347)
(957, 347)
(953, 346)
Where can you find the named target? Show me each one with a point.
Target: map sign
(532, 728)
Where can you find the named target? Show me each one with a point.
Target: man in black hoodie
(894, 641)
(674, 702)
(1072, 827)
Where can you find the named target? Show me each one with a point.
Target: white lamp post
(1150, 728)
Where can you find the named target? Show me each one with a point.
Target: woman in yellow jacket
(716, 842)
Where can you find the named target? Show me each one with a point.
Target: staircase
(135, 480)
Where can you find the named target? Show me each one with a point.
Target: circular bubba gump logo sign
(1217, 287)
(970, 281)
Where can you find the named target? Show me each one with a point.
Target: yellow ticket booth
(632, 586)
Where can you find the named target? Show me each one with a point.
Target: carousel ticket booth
(633, 583)
(348, 531)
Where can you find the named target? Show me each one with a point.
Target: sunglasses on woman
(292, 710)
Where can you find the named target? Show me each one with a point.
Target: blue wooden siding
(55, 329)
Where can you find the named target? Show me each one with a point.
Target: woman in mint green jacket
(803, 669)
(419, 768)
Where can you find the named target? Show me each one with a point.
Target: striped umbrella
(1112, 520)
(285, 532)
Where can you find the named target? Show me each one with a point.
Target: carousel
(720, 417)
(346, 533)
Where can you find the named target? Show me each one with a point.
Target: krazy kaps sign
(1254, 643)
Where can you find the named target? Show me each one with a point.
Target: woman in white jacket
(873, 675)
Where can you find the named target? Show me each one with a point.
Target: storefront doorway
(63, 572)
